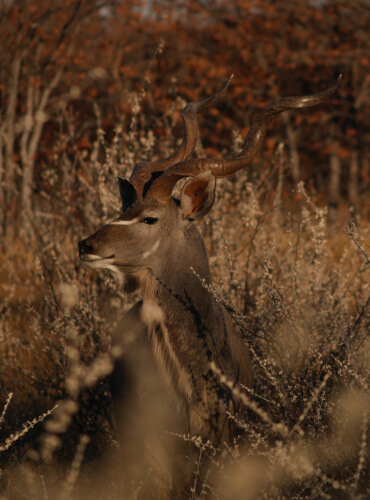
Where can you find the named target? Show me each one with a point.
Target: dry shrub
(301, 299)
(298, 291)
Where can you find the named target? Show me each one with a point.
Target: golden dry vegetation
(288, 240)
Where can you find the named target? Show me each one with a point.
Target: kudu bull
(163, 377)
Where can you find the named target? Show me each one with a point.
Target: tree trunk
(334, 183)
(293, 146)
(7, 185)
(353, 179)
(34, 124)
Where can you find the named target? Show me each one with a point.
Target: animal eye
(149, 220)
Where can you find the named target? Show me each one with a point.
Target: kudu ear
(127, 192)
(198, 195)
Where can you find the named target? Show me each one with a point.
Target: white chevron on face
(124, 222)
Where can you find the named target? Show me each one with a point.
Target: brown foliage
(60, 59)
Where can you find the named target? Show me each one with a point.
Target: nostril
(85, 247)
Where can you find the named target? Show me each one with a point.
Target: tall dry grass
(298, 290)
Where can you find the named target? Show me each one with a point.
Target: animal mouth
(95, 261)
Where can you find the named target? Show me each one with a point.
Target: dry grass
(298, 290)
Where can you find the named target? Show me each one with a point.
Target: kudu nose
(85, 247)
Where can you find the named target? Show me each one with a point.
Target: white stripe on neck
(152, 250)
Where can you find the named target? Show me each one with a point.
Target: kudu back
(166, 345)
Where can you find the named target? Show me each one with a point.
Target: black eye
(149, 220)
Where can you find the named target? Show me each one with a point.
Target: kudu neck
(178, 284)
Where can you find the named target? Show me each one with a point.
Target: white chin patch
(117, 273)
(96, 262)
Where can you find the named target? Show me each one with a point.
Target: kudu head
(152, 221)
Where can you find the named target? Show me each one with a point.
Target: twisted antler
(142, 172)
(161, 189)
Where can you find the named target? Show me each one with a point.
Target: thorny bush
(298, 291)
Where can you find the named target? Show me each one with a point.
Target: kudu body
(165, 345)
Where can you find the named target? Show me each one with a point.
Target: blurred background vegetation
(62, 60)
(88, 88)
